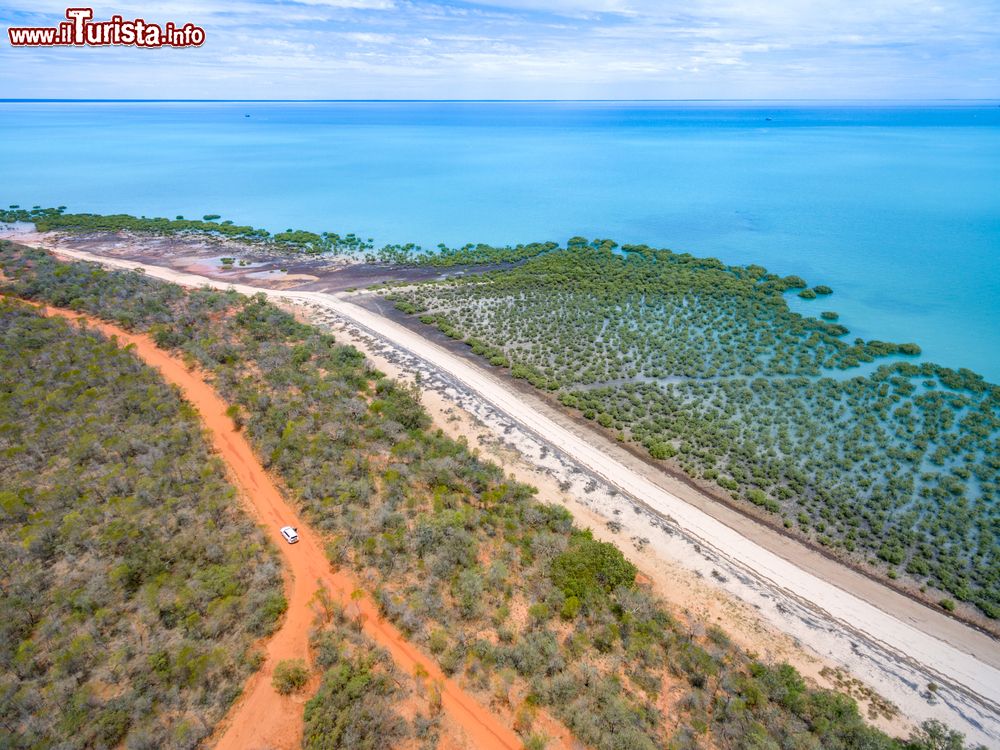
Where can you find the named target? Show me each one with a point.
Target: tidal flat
(860, 447)
(706, 367)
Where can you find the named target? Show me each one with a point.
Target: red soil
(263, 719)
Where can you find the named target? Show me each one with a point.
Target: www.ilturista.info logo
(81, 30)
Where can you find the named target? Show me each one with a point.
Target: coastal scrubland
(132, 587)
(706, 367)
(363, 700)
(527, 610)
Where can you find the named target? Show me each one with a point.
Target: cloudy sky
(527, 49)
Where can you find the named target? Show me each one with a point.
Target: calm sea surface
(897, 207)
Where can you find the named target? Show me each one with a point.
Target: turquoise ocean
(894, 205)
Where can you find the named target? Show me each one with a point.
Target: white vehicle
(290, 534)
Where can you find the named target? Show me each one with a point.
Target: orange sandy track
(262, 719)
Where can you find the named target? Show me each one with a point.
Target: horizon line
(477, 101)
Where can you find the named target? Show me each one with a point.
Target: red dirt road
(262, 719)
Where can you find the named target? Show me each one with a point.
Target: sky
(526, 49)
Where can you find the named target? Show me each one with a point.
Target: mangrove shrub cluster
(293, 240)
(290, 240)
(705, 365)
(514, 601)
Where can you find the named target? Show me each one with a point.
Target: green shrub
(354, 708)
(794, 282)
(590, 570)
(662, 450)
(570, 608)
(438, 641)
(290, 676)
(539, 612)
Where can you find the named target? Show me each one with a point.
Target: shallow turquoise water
(897, 207)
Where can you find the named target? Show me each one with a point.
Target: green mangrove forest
(132, 586)
(705, 366)
(289, 241)
(524, 608)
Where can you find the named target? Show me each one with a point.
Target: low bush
(290, 676)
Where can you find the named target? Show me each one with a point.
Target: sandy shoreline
(890, 652)
(686, 590)
(719, 570)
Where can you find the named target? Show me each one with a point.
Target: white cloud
(525, 48)
(366, 37)
(566, 7)
(354, 4)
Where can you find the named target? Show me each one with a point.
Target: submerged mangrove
(705, 366)
(525, 609)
